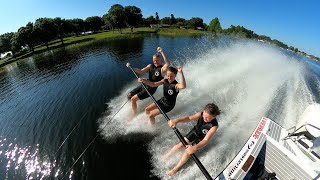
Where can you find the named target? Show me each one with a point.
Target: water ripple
(24, 162)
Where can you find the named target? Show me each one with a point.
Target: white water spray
(247, 80)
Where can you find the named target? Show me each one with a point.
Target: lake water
(64, 113)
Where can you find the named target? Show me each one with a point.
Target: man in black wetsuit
(171, 90)
(198, 137)
(156, 73)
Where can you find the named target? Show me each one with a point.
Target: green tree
(134, 16)
(240, 31)
(107, 23)
(195, 22)
(31, 40)
(205, 26)
(172, 20)
(16, 43)
(25, 36)
(5, 42)
(63, 28)
(165, 20)
(157, 18)
(46, 30)
(149, 20)
(215, 26)
(94, 23)
(181, 22)
(116, 17)
(291, 48)
(265, 38)
(77, 26)
(281, 44)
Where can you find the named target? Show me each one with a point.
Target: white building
(6, 54)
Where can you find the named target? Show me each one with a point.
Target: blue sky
(294, 22)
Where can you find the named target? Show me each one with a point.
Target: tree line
(45, 30)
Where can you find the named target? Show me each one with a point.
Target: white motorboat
(273, 152)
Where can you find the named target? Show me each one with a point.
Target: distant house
(159, 25)
(184, 27)
(165, 25)
(6, 54)
(87, 33)
(155, 26)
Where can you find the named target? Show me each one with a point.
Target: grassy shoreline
(77, 41)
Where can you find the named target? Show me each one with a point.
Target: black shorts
(193, 137)
(142, 93)
(165, 106)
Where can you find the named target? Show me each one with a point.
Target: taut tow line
(94, 139)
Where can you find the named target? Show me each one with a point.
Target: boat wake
(247, 80)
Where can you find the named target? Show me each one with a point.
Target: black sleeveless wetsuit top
(169, 93)
(155, 73)
(202, 127)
